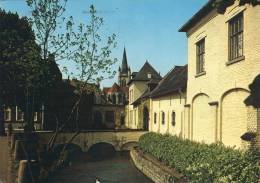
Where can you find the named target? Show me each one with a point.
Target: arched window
(123, 83)
(163, 117)
(173, 118)
(155, 118)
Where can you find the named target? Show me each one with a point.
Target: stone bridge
(120, 139)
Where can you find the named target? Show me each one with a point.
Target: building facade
(223, 59)
(167, 103)
(14, 117)
(138, 88)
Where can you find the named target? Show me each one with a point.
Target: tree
(47, 20)
(19, 59)
(21, 66)
(82, 47)
(52, 34)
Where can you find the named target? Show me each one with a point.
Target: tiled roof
(142, 75)
(115, 88)
(174, 81)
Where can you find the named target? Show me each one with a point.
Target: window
(173, 118)
(114, 98)
(163, 118)
(200, 56)
(236, 37)
(7, 114)
(19, 114)
(155, 118)
(149, 75)
(123, 83)
(35, 116)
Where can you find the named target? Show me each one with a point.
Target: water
(118, 169)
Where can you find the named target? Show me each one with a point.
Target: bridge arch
(101, 150)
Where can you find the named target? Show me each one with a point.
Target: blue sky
(147, 28)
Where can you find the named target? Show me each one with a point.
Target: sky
(148, 29)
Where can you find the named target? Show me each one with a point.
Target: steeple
(124, 74)
(124, 68)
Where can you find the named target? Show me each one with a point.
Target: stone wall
(155, 170)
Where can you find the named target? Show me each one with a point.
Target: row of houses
(204, 100)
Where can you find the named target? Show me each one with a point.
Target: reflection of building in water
(108, 111)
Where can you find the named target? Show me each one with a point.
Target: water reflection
(116, 169)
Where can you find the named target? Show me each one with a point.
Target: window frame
(8, 109)
(233, 38)
(200, 53)
(22, 113)
(35, 116)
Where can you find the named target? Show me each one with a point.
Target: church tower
(124, 72)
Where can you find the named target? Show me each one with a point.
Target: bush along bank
(202, 162)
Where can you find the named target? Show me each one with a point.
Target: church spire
(124, 68)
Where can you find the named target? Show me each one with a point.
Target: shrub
(203, 162)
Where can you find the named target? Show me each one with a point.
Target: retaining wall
(155, 170)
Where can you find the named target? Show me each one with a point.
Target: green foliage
(202, 162)
(20, 62)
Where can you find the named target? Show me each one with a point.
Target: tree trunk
(29, 113)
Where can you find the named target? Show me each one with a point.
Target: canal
(116, 169)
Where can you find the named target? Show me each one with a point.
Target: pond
(116, 169)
